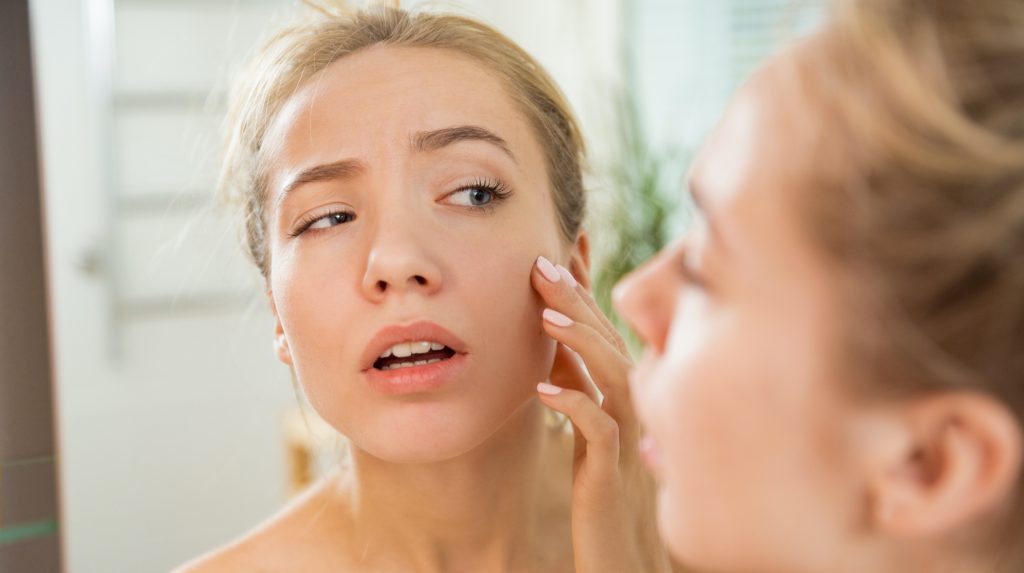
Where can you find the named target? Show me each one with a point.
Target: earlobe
(284, 353)
(281, 348)
(579, 264)
(961, 462)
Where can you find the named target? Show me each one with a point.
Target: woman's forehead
(383, 86)
(775, 132)
(760, 162)
(384, 96)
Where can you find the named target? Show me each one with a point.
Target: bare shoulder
(280, 543)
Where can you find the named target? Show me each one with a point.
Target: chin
(430, 432)
(671, 531)
(695, 543)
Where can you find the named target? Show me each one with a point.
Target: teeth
(411, 364)
(420, 347)
(406, 349)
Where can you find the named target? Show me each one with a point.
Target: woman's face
(738, 390)
(408, 201)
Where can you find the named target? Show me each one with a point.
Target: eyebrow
(423, 141)
(343, 169)
(439, 138)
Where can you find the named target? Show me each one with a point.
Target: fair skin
(406, 186)
(766, 459)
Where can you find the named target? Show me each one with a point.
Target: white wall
(170, 440)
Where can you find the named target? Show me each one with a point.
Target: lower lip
(416, 379)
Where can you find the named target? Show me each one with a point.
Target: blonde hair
(297, 53)
(927, 211)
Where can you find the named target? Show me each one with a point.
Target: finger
(613, 333)
(608, 369)
(584, 294)
(569, 372)
(600, 430)
(588, 298)
(560, 291)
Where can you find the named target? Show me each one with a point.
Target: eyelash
(498, 189)
(306, 223)
(691, 276)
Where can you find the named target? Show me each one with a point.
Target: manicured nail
(549, 389)
(547, 269)
(556, 318)
(567, 276)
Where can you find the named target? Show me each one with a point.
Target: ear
(284, 353)
(579, 260)
(949, 460)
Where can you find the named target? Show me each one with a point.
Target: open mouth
(412, 354)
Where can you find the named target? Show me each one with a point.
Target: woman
(412, 191)
(834, 376)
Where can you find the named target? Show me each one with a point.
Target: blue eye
(474, 197)
(323, 222)
(330, 220)
(479, 195)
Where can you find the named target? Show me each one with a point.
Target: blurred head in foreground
(834, 376)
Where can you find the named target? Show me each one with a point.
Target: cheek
(731, 391)
(314, 297)
(744, 426)
(495, 287)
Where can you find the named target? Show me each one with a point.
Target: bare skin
(323, 530)
(407, 186)
(767, 460)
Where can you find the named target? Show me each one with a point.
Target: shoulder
(234, 557)
(279, 543)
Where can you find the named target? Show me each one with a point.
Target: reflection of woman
(400, 175)
(835, 376)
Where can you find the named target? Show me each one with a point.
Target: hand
(613, 519)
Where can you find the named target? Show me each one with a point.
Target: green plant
(635, 222)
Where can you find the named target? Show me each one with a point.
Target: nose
(399, 263)
(646, 299)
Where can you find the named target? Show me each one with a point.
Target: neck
(932, 556)
(482, 511)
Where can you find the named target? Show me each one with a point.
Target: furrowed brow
(338, 170)
(437, 139)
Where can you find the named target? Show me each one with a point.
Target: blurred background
(143, 416)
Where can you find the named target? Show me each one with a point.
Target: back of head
(927, 208)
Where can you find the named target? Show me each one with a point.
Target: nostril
(420, 280)
(382, 286)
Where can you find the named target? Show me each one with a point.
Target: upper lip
(391, 335)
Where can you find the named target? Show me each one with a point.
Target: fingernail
(556, 318)
(549, 389)
(547, 269)
(567, 276)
